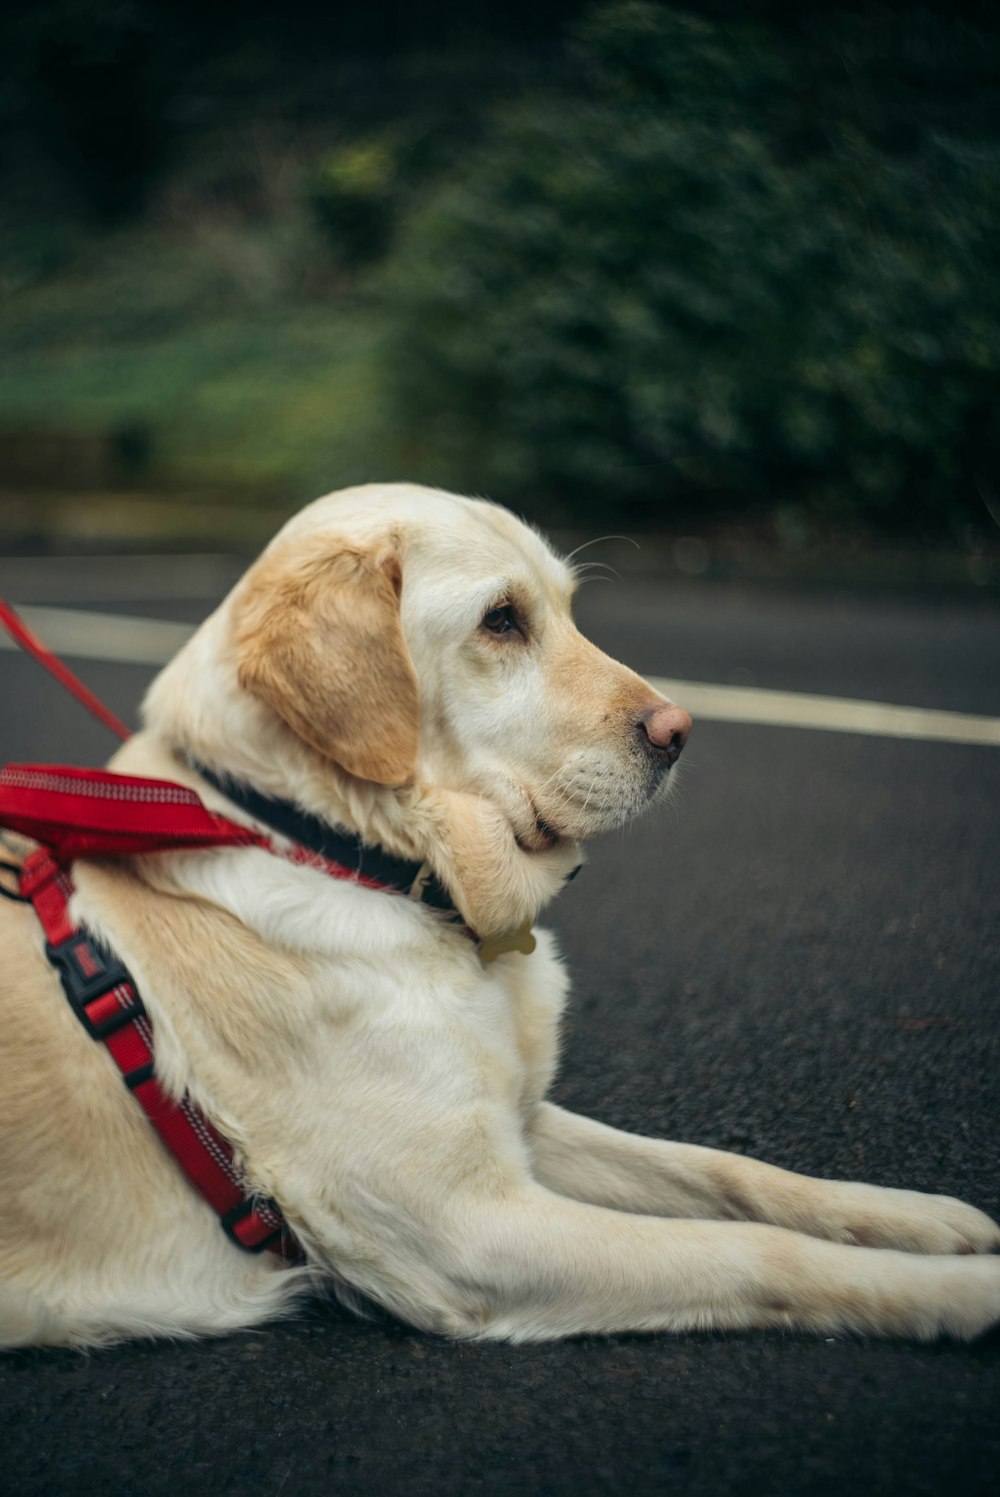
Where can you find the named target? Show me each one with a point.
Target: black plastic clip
(86, 973)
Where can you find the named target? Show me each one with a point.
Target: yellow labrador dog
(402, 663)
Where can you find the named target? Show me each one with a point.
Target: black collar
(345, 848)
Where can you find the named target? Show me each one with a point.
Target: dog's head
(398, 637)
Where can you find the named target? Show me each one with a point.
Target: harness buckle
(87, 973)
(240, 1212)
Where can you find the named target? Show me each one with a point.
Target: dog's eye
(500, 620)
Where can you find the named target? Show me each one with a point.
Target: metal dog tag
(521, 940)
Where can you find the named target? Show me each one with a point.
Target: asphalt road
(797, 959)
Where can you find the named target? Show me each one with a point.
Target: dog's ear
(320, 640)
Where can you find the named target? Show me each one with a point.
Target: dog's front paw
(498, 884)
(871, 1216)
(956, 1299)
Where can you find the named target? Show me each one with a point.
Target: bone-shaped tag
(521, 940)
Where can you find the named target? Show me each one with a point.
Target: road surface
(797, 959)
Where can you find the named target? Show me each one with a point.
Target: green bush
(353, 190)
(719, 264)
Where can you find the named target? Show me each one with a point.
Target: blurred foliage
(201, 314)
(200, 387)
(721, 263)
(687, 262)
(353, 191)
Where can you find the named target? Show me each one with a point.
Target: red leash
(22, 635)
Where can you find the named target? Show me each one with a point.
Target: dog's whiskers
(597, 541)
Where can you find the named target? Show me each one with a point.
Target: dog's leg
(471, 841)
(527, 1264)
(590, 1162)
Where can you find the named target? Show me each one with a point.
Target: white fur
(377, 1079)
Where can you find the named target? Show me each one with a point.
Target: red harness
(77, 813)
(91, 813)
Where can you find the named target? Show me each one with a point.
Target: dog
(402, 663)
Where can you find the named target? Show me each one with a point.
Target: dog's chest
(532, 992)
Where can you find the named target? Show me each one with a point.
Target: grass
(277, 397)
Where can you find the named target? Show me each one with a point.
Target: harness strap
(104, 997)
(78, 812)
(92, 812)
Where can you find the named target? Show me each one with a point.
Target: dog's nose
(666, 729)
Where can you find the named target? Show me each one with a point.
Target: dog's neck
(367, 861)
(497, 887)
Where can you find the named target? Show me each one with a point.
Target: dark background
(683, 268)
